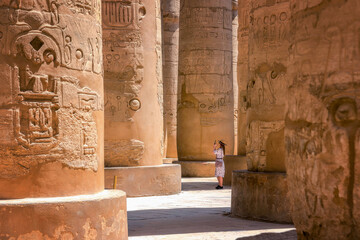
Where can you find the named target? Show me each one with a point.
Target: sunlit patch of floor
(198, 212)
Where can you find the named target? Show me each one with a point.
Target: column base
(260, 195)
(169, 160)
(233, 163)
(145, 180)
(97, 216)
(197, 168)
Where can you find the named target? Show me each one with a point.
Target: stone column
(242, 69)
(133, 99)
(170, 18)
(266, 96)
(51, 141)
(235, 45)
(232, 160)
(205, 105)
(322, 124)
(267, 86)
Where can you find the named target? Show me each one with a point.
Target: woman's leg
(220, 179)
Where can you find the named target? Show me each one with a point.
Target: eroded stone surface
(197, 168)
(322, 125)
(51, 96)
(133, 82)
(65, 217)
(267, 84)
(205, 105)
(235, 45)
(242, 70)
(142, 181)
(259, 195)
(170, 17)
(124, 152)
(233, 163)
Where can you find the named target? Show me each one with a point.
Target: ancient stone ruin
(205, 101)
(322, 120)
(52, 124)
(263, 104)
(170, 28)
(130, 95)
(133, 92)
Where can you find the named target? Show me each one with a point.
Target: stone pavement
(198, 212)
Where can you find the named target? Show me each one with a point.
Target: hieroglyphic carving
(242, 71)
(210, 104)
(257, 143)
(39, 46)
(36, 118)
(271, 30)
(205, 75)
(235, 46)
(84, 6)
(322, 125)
(219, 17)
(267, 78)
(123, 58)
(268, 85)
(48, 41)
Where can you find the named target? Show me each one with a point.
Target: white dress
(219, 163)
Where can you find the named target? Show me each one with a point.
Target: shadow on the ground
(289, 235)
(190, 220)
(197, 186)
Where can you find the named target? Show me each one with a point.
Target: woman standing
(219, 151)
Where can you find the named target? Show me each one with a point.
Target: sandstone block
(259, 195)
(197, 168)
(97, 216)
(145, 180)
(233, 163)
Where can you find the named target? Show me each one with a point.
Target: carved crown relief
(122, 14)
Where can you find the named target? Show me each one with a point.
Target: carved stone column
(170, 17)
(205, 105)
(242, 69)
(264, 101)
(323, 121)
(51, 124)
(134, 98)
(267, 85)
(235, 49)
